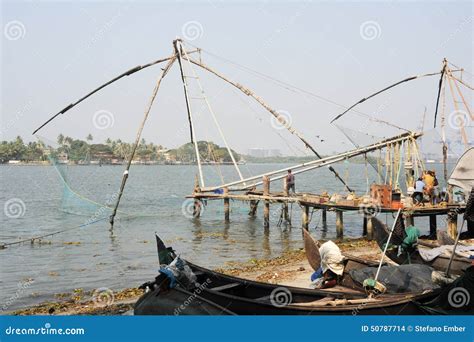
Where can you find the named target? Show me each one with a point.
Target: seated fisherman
(332, 266)
(409, 242)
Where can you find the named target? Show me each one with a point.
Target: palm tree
(60, 139)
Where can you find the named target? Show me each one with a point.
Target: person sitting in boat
(332, 266)
(290, 181)
(409, 242)
(419, 190)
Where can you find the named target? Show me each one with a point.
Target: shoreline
(290, 269)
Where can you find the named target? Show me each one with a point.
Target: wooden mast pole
(178, 49)
(137, 139)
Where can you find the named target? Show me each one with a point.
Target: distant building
(263, 152)
(274, 153)
(257, 152)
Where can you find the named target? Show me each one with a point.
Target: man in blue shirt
(418, 193)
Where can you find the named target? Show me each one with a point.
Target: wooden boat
(381, 233)
(161, 299)
(247, 297)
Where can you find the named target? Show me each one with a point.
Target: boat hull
(440, 263)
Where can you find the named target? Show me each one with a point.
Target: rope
(293, 88)
(462, 97)
(456, 107)
(50, 234)
(213, 116)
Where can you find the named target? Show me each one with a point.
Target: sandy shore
(291, 269)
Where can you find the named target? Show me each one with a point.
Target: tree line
(77, 150)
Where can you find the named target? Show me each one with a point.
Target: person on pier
(290, 181)
(419, 190)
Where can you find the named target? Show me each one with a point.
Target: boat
(440, 263)
(247, 297)
(455, 298)
(161, 299)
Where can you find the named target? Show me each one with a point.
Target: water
(91, 258)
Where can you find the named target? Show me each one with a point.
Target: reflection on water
(92, 257)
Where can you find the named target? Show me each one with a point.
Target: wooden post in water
(433, 227)
(339, 224)
(197, 208)
(370, 229)
(253, 207)
(266, 207)
(226, 205)
(305, 217)
(324, 219)
(197, 202)
(364, 226)
(285, 204)
(452, 224)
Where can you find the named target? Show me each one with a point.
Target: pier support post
(364, 226)
(370, 229)
(339, 224)
(266, 207)
(433, 227)
(226, 205)
(452, 224)
(305, 217)
(253, 208)
(285, 204)
(324, 219)
(197, 208)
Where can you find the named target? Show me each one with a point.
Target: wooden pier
(311, 201)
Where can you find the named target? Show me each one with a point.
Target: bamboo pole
(319, 162)
(178, 49)
(137, 139)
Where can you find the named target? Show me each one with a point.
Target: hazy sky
(55, 52)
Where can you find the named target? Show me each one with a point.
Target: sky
(331, 53)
